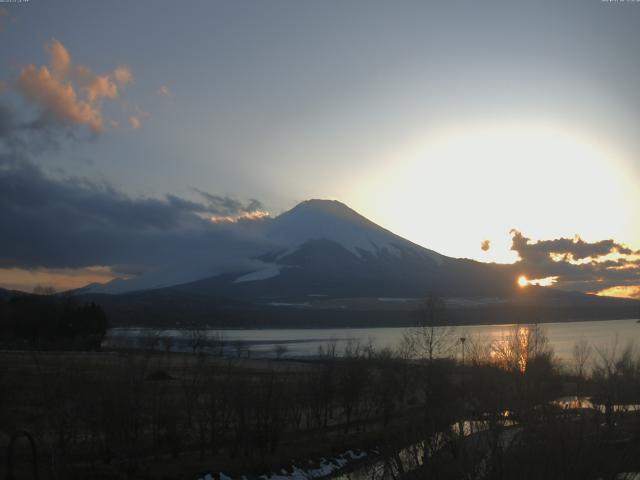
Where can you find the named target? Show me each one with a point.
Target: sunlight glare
(455, 187)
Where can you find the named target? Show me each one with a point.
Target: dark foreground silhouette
(156, 414)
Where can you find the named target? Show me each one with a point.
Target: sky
(457, 125)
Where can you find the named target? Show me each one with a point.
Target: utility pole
(461, 423)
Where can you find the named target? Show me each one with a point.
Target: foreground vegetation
(157, 414)
(50, 322)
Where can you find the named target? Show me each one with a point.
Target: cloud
(571, 248)
(228, 206)
(7, 122)
(245, 216)
(123, 75)
(62, 228)
(164, 91)
(627, 291)
(485, 245)
(101, 86)
(601, 266)
(74, 223)
(69, 95)
(62, 278)
(60, 59)
(58, 101)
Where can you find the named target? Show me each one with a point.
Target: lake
(305, 342)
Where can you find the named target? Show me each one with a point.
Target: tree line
(49, 321)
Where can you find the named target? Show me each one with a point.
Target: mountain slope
(322, 255)
(334, 221)
(276, 244)
(323, 264)
(329, 250)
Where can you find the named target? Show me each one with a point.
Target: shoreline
(365, 326)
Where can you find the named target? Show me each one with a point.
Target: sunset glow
(59, 278)
(245, 216)
(622, 291)
(439, 171)
(523, 281)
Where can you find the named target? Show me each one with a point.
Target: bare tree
(239, 346)
(616, 375)
(521, 345)
(197, 338)
(430, 338)
(217, 343)
(150, 339)
(478, 350)
(581, 353)
(168, 343)
(279, 350)
(329, 351)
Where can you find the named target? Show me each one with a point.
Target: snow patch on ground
(323, 468)
(286, 304)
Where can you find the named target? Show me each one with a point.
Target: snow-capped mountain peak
(334, 221)
(259, 249)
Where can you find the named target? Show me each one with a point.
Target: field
(156, 414)
(159, 415)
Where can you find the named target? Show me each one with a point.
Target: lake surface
(305, 342)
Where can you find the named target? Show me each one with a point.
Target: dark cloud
(74, 222)
(7, 122)
(578, 264)
(572, 248)
(228, 206)
(54, 223)
(20, 137)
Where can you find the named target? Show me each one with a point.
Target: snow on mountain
(334, 221)
(279, 237)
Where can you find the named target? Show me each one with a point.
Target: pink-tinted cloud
(243, 217)
(69, 94)
(60, 60)
(57, 100)
(60, 279)
(101, 86)
(123, 75)
(135, 122)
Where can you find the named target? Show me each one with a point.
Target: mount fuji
(321, 260)
(322, 248)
